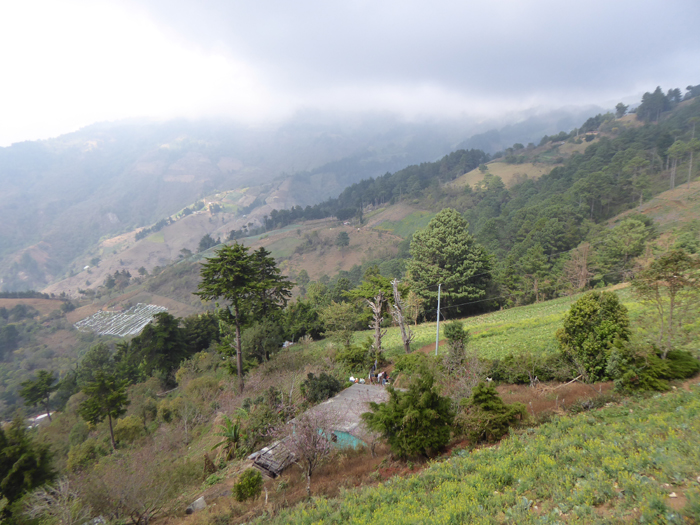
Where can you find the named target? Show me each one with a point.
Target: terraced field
(120, 324)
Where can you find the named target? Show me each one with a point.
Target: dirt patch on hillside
(552, 397)
(510, 173)
(329, 259)
(82, 312)
(43, 306)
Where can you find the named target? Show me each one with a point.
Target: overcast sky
(66, 64)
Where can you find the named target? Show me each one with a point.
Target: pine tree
(414, 422)
(38, 391)
(106, 398)
(445, 253)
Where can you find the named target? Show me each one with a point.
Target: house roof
(344, 410)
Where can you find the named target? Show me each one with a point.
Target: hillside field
(494, 335)
(633, 461)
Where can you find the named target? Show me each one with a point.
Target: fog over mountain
(296, 100)
(71, 64)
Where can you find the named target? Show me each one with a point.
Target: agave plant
(233, 437)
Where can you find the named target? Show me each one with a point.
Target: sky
(68, 64)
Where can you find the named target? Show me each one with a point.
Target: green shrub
(128, 429)
(485, 417)
(414, 422)
(317, 389)
(213, 479)
(166, 410)
(682, 364)
(635, 368)
(78, 433)
(522, 368)
(409, 364)
(249, 485)
(594, 321)
(356, 357)
(81, 456)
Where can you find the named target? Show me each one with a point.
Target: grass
(283, 248)
(618, 464)
(156, 237)
(408, 225)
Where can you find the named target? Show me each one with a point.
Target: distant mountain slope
(61, 196)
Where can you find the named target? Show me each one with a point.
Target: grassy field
(408, 225)
(509, 173)
(636, 461)
(517, 330)
(158, 237)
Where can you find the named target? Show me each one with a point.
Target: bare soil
(43, 306)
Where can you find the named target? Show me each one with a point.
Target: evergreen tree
(25, 464)
(416, 421)
(445, 253)
(38, 391)
(106, 398)
(592, 324)
(249, 283)
(274, 290)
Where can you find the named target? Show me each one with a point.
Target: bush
(81, 456)
(457, 339)
(357, 357)
(636, 368)
(128, 429)
(524, 368)
(409, 364)
(414, 422)
(317, 389)
(594, 321)
(485, 417)
(249, 485)
(166, 410)
(78, 433)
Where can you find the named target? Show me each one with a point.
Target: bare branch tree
(309, 439)
(397, 310)
(577, 270)
(414, 307)
(58, 503)
(377, 307)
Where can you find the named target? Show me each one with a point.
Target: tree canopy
(38, 391)
(592, 324)
(445, 253)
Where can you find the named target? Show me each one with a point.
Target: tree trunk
(406, 334)
(673, 173)
(111, 432)
(308, 483)
(239, 353)
(48, 410)
(690, 167)
(669, 334)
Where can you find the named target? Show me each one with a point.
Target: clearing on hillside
(510, 173)
(120, 324)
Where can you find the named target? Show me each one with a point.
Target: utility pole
(437, 333)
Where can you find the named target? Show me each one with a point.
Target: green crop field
(495, 335)
(637, 461)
